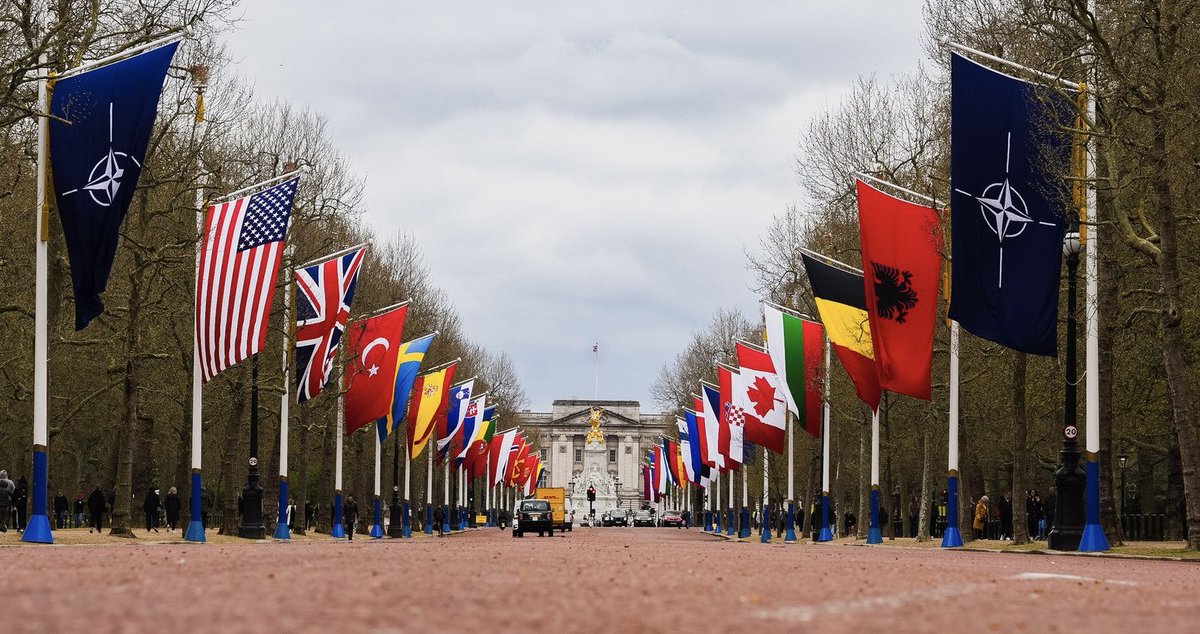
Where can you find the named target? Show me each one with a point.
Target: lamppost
(396, 525)
(1070, 479)
(1122, 459)
(617, 486)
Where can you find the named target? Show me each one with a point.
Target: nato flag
(96, 159)
(1008, 163)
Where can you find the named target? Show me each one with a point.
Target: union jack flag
(323, 296)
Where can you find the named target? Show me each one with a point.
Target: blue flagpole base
(874, 536)
(1093, 539)
(195, 529)
(789, 534)
(37, 530)
(730, 529)
(445, 526)
(376, 525)
(952, 538)
(195, 532)
(281, 527)
(428, 519)
(338, 530)
(744, 520)
(376, 531)
(825, 534)
(765, 535)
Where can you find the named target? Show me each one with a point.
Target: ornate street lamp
(1123, 459)
(1070, 479)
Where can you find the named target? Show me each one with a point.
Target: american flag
(323, 296)
(235, 282)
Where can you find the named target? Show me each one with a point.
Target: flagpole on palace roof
(174, 36)
(38, 528)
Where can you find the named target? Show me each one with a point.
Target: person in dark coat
(150, 505)
(79, 507)
(310, 514)
(439, 517)
(96, 506)
(6, 500)
(21, 502)
(350, 516)
(172, 505)
(60, 511)
(1006, 517)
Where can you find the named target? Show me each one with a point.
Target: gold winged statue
(594, 435)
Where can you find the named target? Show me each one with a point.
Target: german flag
(841, 302)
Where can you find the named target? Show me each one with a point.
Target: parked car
(643, 518)
(616, 517)
(533, 515)
(672, 518)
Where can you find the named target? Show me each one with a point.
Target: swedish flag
(408, 364)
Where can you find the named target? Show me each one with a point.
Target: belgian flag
(841, 302)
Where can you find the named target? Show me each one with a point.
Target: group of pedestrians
(1039, 515)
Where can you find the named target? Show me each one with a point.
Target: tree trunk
(122, 501)
(1020, 528)
(864, 470)
(232, 447)
(926, 487)
(1108, 290)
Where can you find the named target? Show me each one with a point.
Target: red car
(672, 518)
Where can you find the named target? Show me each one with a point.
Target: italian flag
(795, 346)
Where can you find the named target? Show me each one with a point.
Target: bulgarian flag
(795, 348)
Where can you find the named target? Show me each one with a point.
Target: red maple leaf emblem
(762, 394)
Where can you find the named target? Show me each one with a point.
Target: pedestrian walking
(981, 514)
(60, 511)
(21, 502)
(1006, 517)
(310, 514)
(291, 514)
(96, 507)
(172, 506)
(7, 488)
(150, 505)
(79, 507)
(439, 519)
(350, 516)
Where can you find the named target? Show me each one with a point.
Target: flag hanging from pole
(450, 425)
(408, 363)
(759, 398)
(795, 346)
(1009, 164)
(432, 396)
(685, 448)
(901, 252)
(101, 125)
(733, 423)
(842, 304)
(711, 406)
(235, 283)
(324, 292)
(369, 375)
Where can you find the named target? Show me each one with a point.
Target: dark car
(643, 518)
(672, 518)
(616, 517)
(533, 515)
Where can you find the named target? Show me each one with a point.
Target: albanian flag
(900, 245)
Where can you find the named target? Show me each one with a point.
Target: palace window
(578, 455)
(612, 455)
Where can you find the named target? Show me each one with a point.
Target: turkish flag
(370, 372)
(901, 253)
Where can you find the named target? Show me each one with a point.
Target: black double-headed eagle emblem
(894, 294)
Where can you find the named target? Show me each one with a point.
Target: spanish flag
(430, 399)
(841, 302)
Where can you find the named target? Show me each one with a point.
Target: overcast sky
(576, 172)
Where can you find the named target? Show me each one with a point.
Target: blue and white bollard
(789, 533)
(765, 536)
(1093, 539)
(825, 534)
(338, 530)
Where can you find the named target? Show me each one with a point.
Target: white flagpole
(376, 523)
(281, 528)
(873, 533)
(195, 528)
(952, 538)
(338, 530)
(825, 534)
(38, 528)
(407, 476)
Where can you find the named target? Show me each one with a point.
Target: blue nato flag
(1010, 157)
(98, 137)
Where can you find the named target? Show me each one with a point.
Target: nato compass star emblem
(104, 181)
(1004, 209)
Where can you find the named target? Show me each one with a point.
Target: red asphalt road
(591, 580)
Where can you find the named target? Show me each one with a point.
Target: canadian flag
(758, 398)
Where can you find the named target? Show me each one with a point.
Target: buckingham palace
(608, 460)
